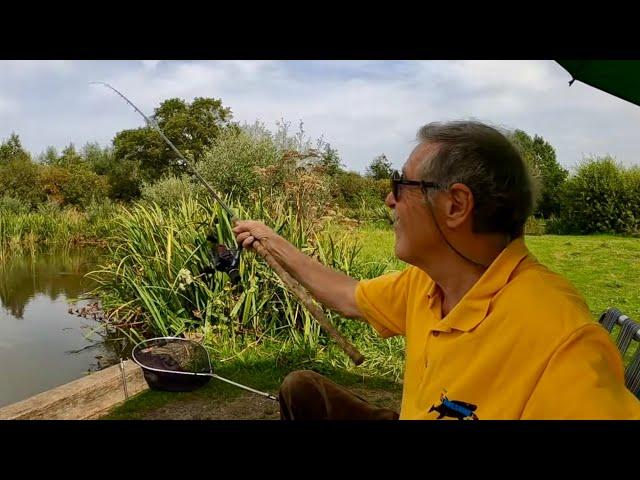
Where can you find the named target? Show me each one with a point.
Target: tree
(192, 128)
(49, 156)
(124, 178)
(94, 154)
(20, 179)
(541, 158)
(73, 186)
(11, 149)
(380, 168)
(329, 159)
(70, 157)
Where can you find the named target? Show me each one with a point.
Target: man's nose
(390, 200)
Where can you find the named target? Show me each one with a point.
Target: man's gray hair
(483, 159)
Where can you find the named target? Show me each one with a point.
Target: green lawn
(604, 268)
(378, 245)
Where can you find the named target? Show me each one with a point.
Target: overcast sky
(363, 108)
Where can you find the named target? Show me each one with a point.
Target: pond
(44, 340)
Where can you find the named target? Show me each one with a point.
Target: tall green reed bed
(53, 226)
(155, 285)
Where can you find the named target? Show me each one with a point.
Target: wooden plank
(87, 398)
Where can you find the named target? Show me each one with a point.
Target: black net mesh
(172, 355)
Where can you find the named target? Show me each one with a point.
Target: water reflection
(37, 332)
(54, 274)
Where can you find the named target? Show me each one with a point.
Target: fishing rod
(288, 280)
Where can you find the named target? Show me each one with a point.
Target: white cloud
(150, 64)
(30, 68)
(8, 106)
(363, 108)
(500, 74)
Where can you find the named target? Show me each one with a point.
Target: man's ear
(458, 205)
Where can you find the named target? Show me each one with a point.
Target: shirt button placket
(434, 333)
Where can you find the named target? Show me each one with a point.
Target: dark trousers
(307, 395)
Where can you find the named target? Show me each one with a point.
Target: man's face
(416, 235)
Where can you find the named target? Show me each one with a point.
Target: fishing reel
(223, 259)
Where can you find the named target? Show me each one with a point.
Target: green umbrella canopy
(617, 77)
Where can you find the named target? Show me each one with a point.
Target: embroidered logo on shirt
(454, 409)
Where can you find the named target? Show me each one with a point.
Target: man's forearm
(330, 287)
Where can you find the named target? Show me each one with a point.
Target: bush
(350, 190)
(20, 180)
(535, 226)
(602, 197)
(253, 164)
(11, 205)
(100, 216)
(556, 226)
(168, 191)
(124, 176)
(233, 165)
(77, 185)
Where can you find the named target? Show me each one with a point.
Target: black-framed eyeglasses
(397, 180)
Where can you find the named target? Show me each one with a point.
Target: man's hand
(330, 287)
(248, 231)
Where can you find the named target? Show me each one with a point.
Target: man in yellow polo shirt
(490, 332)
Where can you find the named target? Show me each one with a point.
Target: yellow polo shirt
(521, 344)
